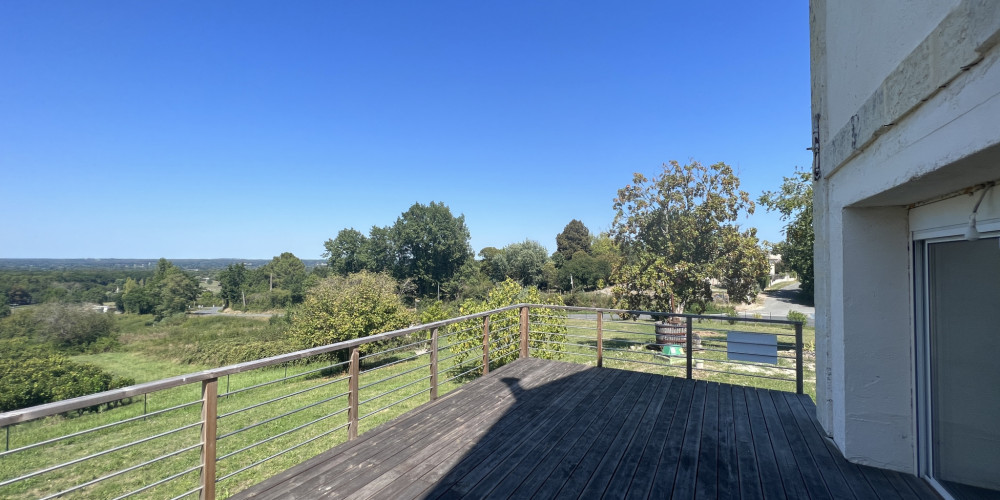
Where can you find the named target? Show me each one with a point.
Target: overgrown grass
(204, 340)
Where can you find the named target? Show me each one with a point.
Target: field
(275, 417)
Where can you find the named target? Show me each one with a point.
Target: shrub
(34, 375)
(589, 299)
(437, 311)
(342, 308)
(732, 317)
(547, 333)
(68, 327)
(797, 316)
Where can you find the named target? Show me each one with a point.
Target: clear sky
(194, 129)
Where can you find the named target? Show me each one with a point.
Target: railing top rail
(661, 313)
(57, 407)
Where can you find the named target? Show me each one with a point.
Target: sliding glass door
(961, 358)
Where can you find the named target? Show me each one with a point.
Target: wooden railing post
(354, 373)
(434, 337)
(690, 346)
(600, 339)
(798, 358)
(524, 332)
(434, 364)
(486, 345)
(209, 427)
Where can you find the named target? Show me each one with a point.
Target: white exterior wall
(906, 102)
(883, 45)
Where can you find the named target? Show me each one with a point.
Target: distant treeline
(138, 264)
(24, 287)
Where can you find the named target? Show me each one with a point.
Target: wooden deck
(545, 429)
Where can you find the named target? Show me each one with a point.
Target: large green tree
(287, 272)
(175, 290)
(584, 272)
(431, 245)
(575, 237)
(170, 290)
(347, 252)
(794, 201)
(523, 262)
(234, 282)
(677, 233)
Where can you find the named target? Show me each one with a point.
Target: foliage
(547, 333)
(431, 245)
(468, 283)
(797, 316)
(732, 315)
(72, 327)
(347, 253)
(280, 283)
(170, 290)
(584, 272)
(286, 272)
(23, 287)
(437, 311)
(490, 264)
(206, 340)
(711, 308)
(794, 202)
(677, 233)
(589, 299)
(68, 327)
(32, 375)
(575, 237)
(603, 246)
(427, 246)
(342, 308)
(522, 262)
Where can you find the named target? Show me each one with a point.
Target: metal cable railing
(290, 415)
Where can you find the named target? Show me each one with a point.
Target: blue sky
(192, 129)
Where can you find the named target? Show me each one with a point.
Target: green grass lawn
(626, 341)
(306, 414)
(301, 407)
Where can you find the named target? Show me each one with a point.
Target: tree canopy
(170, 290)
(677, 234)
(287, 272)
(794, 201)
(431, 245)
(347, 253)
(575, 237)
(427, 245)
(522, 262)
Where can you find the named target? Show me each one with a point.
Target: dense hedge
(34, 375)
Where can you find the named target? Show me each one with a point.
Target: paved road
(777, 304)
(212, 311)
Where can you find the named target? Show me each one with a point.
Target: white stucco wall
(889, 140)
(870, 41)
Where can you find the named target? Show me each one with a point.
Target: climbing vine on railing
(547, 328)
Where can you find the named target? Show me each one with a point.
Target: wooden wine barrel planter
(674, 333)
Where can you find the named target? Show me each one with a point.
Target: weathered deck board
(546, 429)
